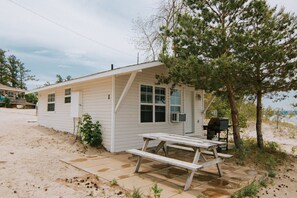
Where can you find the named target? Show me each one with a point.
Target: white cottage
(127, 101)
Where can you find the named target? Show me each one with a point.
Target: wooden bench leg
(215, 153)
(160, 145)
(191, 175)
(144, 147)
(203, 159)
(165, 149)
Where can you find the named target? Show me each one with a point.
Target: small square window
(68, 99)
(146, 94)
(51, 98)
(67, 92)
(67, 96)
(51, 107)
(51, 102)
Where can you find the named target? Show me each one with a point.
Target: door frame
(193, 111)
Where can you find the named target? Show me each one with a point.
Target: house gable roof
(117, 71)
(7, 88)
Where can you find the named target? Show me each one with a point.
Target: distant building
(15, 96)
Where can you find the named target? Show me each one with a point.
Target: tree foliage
(246, 108)
(203, 51)
(13, 72)
(32, 98)
(233, 49)
(61, 79)
(269, 46)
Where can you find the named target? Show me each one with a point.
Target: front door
(189, 111)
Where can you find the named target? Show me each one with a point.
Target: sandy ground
(30, 165)
(285, 182)
(283, 185)
(286, 137)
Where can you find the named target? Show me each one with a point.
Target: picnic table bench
(181, 142)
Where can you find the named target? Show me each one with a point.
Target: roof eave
(108, 73)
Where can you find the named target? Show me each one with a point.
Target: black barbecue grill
(218, 127)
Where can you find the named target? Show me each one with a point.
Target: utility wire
(68, 29)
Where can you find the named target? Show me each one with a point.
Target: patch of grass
(293, 149)
(272, 146)
(202, 196)
(264, 182)
(292, 134)
(156, 190)
(179, 191)
(136, 193)
(114, 182)
(268, 158)
(249, 191)
(252, 189)
(271, 173)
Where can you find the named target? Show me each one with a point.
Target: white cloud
(41, 52)
(65, 66)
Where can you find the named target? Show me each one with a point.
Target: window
(67, 96)
(146, 107)
(160, 102)
(175, 101)
(153, 104)
(10, 94)
(51, 102)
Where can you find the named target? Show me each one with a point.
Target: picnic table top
(183, 140)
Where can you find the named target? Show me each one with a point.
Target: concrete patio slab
(171, 180)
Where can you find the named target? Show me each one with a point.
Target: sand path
(29, 159)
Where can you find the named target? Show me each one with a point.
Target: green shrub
(272, 146)
(6, 102)
(89, 132)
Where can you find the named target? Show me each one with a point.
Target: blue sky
(51, 45)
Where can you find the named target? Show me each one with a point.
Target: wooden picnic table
(196, 144)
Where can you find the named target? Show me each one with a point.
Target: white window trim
(153, 104)
(66, 96)
(52, 102)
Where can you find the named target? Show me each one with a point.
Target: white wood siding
(95, 102)
(127, 118)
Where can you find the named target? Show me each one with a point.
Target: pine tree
(3, 68)
(13, 71)
(24, 76)
(203, 56)
(269, 45)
